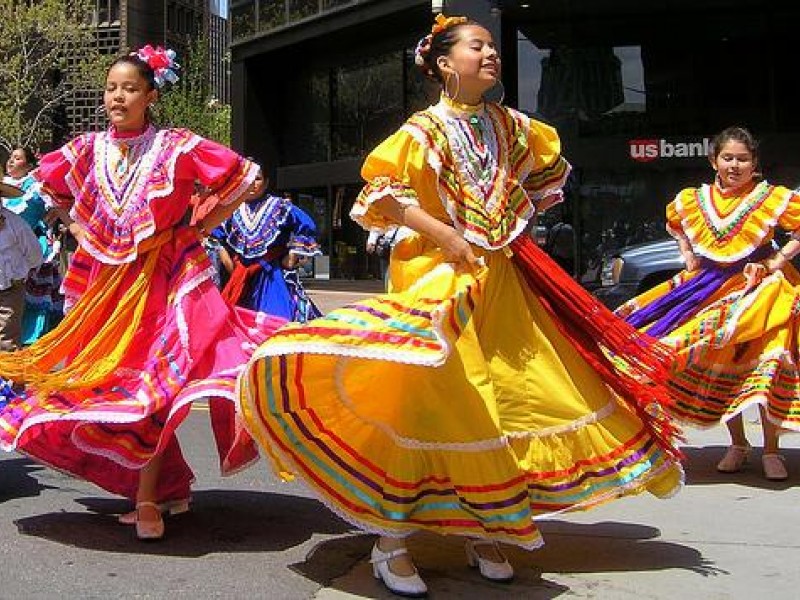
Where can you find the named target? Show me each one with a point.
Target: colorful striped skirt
(736, 348)
(106, 389)
(452, 404)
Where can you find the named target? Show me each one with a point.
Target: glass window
(305, 131)
(328, 4)
(637, 91)
(271, 15)
(631, 76)
(368, 103)
(243, 18)
(300, 9)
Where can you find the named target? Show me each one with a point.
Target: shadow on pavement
(612, 546)
(701, 468)
(220, 521)
(440, 561)
(16, 480)
(571, 549)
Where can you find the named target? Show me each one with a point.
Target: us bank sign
(650, 150)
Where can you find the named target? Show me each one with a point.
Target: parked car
(629, 271)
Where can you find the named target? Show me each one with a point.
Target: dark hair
(145, 70)
(441, 44)
(30, 157)
(735, 134)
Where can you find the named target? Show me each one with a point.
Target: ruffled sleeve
(550, 170)
(674, 225)
(789, 220)
(58, 173)
(303, 238)
(225, 174)
(392, 169)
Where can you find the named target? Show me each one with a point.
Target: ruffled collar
(257, 224)
(729, 236)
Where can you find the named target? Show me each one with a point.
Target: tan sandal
(170, 507)
(774, 467)
(150, 529)
(734, 459)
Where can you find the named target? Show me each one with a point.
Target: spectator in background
(380, 243)
(560, 242)
(44, 304)
(19, 254)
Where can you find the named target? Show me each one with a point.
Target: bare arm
(783, 256)
(455, 248)
(62, 214)
(218, 214)
(225, 259)
(692, 262)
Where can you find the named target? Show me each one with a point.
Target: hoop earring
(446, 88)
(502, 90)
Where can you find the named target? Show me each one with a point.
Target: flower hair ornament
(440, 24)
(162, 61)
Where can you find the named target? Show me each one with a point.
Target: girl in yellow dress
(732, 314)
(474, 397)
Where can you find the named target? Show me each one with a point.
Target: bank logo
(650, 150)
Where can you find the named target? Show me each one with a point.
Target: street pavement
(252, 536)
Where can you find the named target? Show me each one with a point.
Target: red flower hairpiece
(162, 61)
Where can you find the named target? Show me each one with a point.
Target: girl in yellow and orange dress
(732, 314)
(473, 398)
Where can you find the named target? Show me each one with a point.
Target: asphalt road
(252, 536)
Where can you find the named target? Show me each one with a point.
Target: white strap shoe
(493, 571)
(411, 586)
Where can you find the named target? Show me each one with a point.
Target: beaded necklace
(477, 149)
(122, 175)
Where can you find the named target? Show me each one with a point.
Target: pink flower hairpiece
(162, 61)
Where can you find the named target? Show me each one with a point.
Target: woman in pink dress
(147, 332)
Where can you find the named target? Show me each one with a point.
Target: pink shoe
(149, 530)
(734, 458)
(774, 467)
(170, 507)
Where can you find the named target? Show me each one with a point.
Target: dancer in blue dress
(266, 239)
(44, 304)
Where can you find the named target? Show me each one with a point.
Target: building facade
(636, 90)
(121, 25)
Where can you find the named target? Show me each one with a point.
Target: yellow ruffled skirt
(739, 348)
(452, 404)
